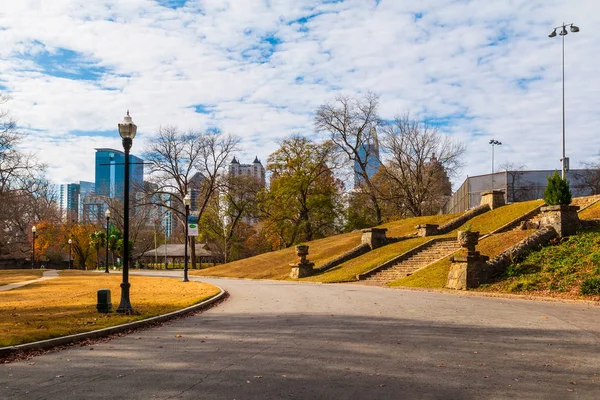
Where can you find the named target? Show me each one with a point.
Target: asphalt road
(280, 340)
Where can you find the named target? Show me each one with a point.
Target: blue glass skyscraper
(368, 153)
(110, 173)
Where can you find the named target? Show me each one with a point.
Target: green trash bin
(104, 303)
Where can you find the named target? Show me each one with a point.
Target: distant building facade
(367, 152)
(72, 197)
(517, 186)
(255, 170)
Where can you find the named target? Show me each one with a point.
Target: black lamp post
(563, 32)
(34, 236)
(127, 130)
(70, 253)
(187, 200)
(494, 143)
(107, 214)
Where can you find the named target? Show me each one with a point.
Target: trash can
(104, 303)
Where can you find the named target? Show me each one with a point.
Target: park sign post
(192, 225)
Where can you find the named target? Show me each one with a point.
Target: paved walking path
(49, 274)
(282, 340)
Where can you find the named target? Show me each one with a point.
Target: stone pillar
(467, 271)
(424, 230)
(562, 218)
(494, 198)
(471, 270)
(303, 267)
(374, 237)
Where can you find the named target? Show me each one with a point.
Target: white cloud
(486, 68)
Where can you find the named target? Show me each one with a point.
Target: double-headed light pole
(494, 142)
(563, 32)
(127, 130)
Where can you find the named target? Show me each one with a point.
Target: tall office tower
(368, 152)
(110, 173)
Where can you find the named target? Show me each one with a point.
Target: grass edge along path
(67, 305)
(9, 276)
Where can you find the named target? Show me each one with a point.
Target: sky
(478, 70)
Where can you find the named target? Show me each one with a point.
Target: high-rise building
(368, 153)
(110, 173)
(72, 197)
(255, 170)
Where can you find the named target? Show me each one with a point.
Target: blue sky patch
(69, 64)
(174, 4)
(203, 109)
(523, 83)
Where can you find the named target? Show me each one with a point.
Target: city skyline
(259, 70)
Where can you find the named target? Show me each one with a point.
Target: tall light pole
(127, 130)
(563, 32)
(494, 142)
(33, 235)
(70, 241)
(107, 215)
(187, 200)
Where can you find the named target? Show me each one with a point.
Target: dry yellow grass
(435, 275)
(592, 212)
(67, 305)
(275, 264)
(19, 275)
(491, 220)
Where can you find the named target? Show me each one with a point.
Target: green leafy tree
(557, 192)
(304, 198)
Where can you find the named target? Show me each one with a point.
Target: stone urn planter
(468, 240)
(302, 252)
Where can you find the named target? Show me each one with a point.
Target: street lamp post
(563, 32)
(127, 130)
(187, 200)
(494, 142)
(70, 241)
(107, 214)
(34, 236)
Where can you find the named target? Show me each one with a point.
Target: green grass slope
(570, 268)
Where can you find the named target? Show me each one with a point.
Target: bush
(557, 192)
(591, 286)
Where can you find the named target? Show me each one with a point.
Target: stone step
(417, 261)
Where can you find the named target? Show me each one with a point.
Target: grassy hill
(275, 264)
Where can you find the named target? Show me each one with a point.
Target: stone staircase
(584, 202)
(407, 266)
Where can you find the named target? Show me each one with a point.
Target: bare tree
(25, 193)
(590, 177)
(351, 123)
(420, 163)
(181, 161)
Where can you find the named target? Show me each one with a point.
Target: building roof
(178, 250)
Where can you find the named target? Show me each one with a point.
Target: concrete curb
(100, 333)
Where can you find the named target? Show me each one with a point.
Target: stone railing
(517, 221)
(359, 250)
(458, 221)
